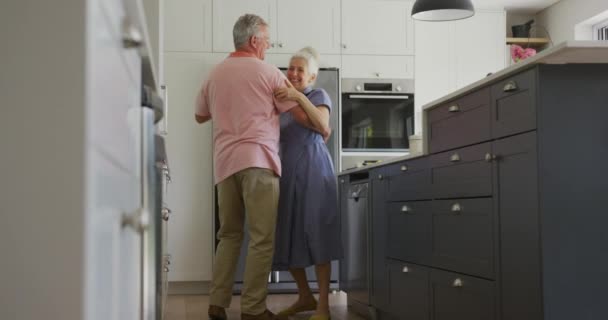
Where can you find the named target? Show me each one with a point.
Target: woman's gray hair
(312, 59)
(247, 26)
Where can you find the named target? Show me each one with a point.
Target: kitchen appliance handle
(148, 236)
(360, 96)
(165, 127)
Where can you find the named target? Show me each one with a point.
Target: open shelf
(531, 42)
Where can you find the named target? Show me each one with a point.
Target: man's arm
(201, 119)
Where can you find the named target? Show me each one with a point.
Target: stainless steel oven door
(377, 121)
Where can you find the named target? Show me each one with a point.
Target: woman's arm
(308, 115)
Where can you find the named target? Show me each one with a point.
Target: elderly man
(238, 95)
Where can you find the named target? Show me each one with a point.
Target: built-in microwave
(377, 114)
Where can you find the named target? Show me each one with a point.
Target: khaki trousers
(251, 193)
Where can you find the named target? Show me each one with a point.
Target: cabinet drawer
(409, 231)
(409, 291)
(462, 173)
(459, 297)
(468, 116)
(514, 105)
(410, 180)
(463, 236)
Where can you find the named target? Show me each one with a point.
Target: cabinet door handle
(166, 213)
(165, 124)
(405, 209)
(380, 177)
(457, 283)
(456, 207)
(455, 157)
(139, 220)
(454, 108)
(272, 45)
(510, 86)
(405, 269)
(404, 168)
(280, 44)
(343, 46)
(131, 36)
(377, 74)
(490, 157)
(341, 180)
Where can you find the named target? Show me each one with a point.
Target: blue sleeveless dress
(308, 222)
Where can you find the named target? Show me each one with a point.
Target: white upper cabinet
(294, 24)
(226, 12)
(313, 23)
(377, 67)
(377, 27)
(188, 25)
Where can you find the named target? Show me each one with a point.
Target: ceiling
(517, 6)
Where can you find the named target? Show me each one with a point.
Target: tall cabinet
(74, 210)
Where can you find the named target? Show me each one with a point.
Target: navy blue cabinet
(506, 217)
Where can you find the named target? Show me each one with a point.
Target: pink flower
(518, 53)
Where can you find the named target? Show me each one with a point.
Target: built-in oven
(377, 114)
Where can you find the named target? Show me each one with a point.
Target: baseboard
(189, 287)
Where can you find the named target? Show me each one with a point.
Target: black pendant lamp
(442, 10)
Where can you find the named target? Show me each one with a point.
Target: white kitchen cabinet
(72, 163)
(313, 23)
(189, 146)
(453, 54)
(188, 25)
(226, 12)
(377, 27)
(281, 60)
(387, 67)
(294, 24)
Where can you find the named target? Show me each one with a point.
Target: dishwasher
(355, 267)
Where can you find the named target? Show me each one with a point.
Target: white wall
(561, 18)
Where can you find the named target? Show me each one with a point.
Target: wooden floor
(194, 307)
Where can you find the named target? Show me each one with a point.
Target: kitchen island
(503, 214)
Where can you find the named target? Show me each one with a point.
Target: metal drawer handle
(405, 269)
(510, 86)
(341, 180)
(455, 157)
(403, 168)
(456, 207)
(490, 157)
(380, 177)
(405, 209)
(131, 36)
(166, 213)
(139, 220)
(454, 108)
(457, 283)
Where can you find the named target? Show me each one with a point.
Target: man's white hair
(247, 26)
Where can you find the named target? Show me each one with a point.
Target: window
(600, 31)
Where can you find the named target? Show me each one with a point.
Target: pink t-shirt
(238, 95)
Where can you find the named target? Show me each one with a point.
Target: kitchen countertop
(382, 163)
(563, 53)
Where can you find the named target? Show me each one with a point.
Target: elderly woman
(308, 229)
